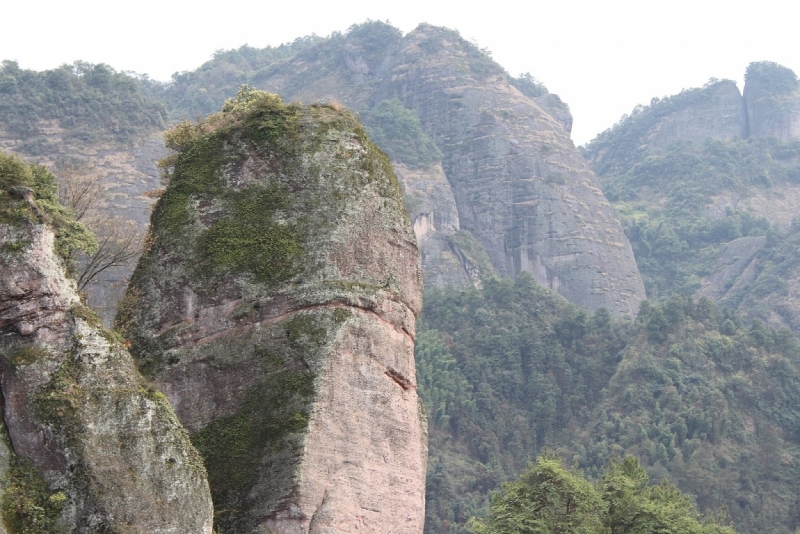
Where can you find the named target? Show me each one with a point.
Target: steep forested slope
(81, 103)
(698, 396)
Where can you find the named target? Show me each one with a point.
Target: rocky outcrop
(275, 308)
(87, 122)
(94, 448)
(434, 214)
(520, 187)
(714, 111)
(733, 269)
(772, 99)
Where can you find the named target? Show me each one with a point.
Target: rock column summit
(87, 446)
(275, 307)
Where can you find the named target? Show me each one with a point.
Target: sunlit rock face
(276, 308)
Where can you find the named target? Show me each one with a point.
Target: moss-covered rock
(92, 450)
(275, 308)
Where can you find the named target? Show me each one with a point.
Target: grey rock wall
(519, 185)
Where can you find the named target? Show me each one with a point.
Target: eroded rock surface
(715, 111)
(276, 309)
(110, 452)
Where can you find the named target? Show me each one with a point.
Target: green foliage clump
(16, 179)
(263, 439)
(28, 505)
(246, 238)
(233, 447)
(89, 102)
(697, 395)
(200, 92)
(528, 85)
(226, 218)
(399, 132)
(547, 498)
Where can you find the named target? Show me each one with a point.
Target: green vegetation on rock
(29, 193)
(662, 201)
(398, 129)
(28, 505)
(233, 447)
(769, 75)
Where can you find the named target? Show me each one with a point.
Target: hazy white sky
(601, 56)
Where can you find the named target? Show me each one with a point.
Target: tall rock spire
(275, 308)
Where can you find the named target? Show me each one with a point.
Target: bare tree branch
(119, 243)
(80, 188)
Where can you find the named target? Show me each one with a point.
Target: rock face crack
(401, 381)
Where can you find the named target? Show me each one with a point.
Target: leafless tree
(80, 187)
(119, 241)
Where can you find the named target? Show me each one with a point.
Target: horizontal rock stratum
(89, 446)
(275, 308)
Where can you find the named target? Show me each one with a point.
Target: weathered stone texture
(77, 409)
(715, 111)
(297, 386)
(128, 172)
(434, 214)
(522, 189)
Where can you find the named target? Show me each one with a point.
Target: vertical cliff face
(772, 99)
(92, 448)
(521, 190)
(275, 308)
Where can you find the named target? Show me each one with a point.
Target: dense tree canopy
(696, 394)
(549, 499)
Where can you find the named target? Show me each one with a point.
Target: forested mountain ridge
(707, 183)
(506, 366)
(552, 221)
